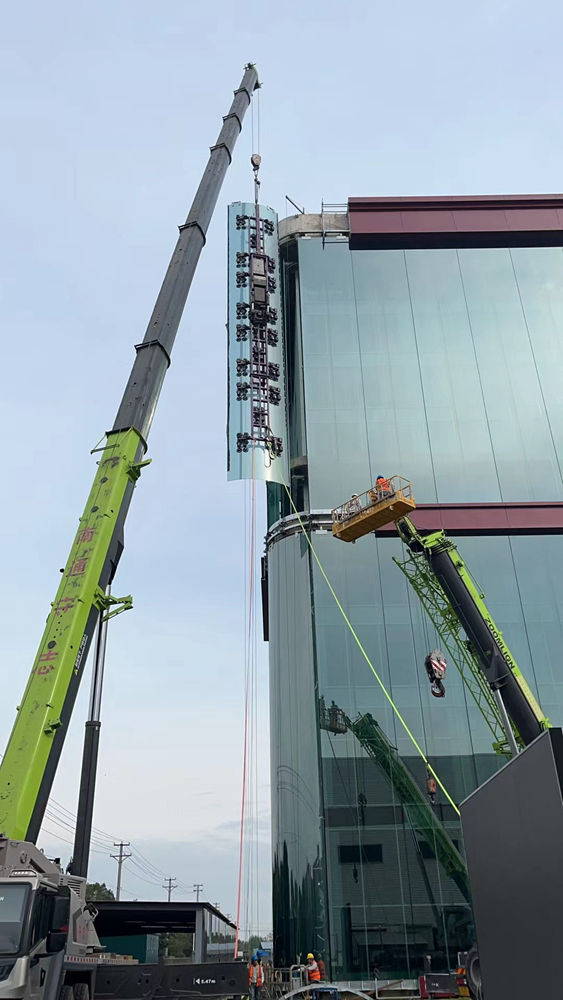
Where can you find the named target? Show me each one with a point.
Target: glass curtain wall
(443, 366)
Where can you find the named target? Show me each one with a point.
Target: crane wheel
(66, 993)
(81, 991)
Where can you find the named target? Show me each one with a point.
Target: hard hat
(310, 955)
(355, 495)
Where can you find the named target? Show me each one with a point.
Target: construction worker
(383, 488)
(321, 965)
(354, 505)
(255, 978)
(431, 787)
(312, 969)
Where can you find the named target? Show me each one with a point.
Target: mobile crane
(451, 597)
(47, 938)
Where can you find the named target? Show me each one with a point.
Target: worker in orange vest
(431, 787)
(322, 967)
(383, 487)
(255, 978)
(313, 969)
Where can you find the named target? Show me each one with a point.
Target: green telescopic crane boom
(34, 747)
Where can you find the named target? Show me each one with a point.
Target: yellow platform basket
(362, 514)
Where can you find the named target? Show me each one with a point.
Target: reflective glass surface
(443, 366)
(300, 923)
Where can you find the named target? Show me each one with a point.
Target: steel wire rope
(249, 825)
(364, 653)
(253, 750)
(245, 740)
(256, 763)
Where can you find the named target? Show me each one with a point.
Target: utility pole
(169, 887)
(198, 887)
(120, 858)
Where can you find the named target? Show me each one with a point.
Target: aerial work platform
(371, 510)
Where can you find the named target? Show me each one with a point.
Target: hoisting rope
(249, 803)
(247, 700)
(363, 652)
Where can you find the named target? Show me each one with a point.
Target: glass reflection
(444, 366)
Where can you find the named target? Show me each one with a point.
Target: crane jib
(28, 769)
(55, 675)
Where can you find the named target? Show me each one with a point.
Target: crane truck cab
(48, 946)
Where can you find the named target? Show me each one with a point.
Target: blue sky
(108, 111)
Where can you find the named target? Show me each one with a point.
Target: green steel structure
(448, 627)
(34, 747)
(456, 605)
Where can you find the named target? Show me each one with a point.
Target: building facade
(424, 338)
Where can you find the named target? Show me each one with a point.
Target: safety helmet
(380, 477)
(310, 955)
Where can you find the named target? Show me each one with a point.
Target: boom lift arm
(454, 602)
(28, 769)
(486, 643)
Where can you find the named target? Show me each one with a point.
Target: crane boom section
(28, 769)
(51, 690)
(496, 661)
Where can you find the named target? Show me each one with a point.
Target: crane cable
(363, 652)
(248, 658)
(249, 797)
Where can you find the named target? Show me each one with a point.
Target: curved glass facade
(443, 366)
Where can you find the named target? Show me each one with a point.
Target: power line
(153, 878)
(136, 875)
(67, 821)
(63, 817)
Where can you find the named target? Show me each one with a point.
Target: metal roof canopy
(116, 919)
